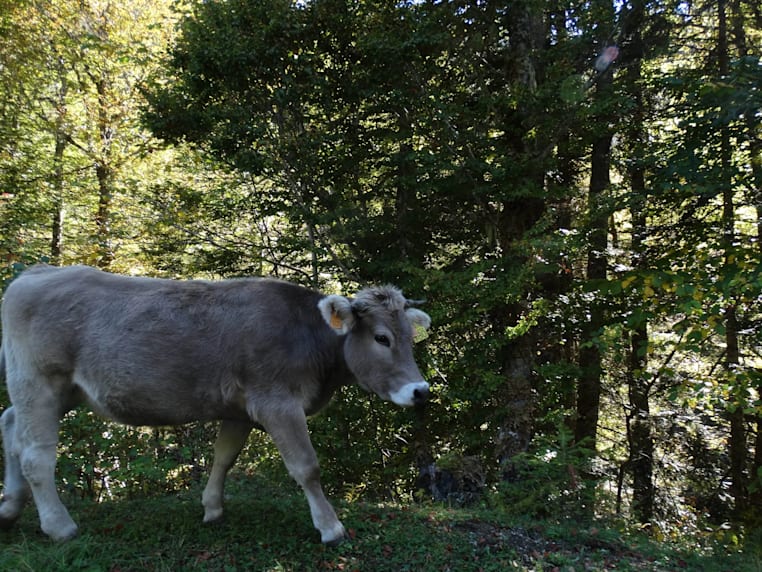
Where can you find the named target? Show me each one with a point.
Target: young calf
(144, 351)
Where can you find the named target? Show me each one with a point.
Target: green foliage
(365, 447)
(553, 478)
(102, 460)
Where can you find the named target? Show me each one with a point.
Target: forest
(574, 189)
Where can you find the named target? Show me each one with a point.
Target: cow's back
(155, 351)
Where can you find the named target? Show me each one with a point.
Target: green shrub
(552, 479)
(99, 459)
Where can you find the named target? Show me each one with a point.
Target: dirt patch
(586, 551)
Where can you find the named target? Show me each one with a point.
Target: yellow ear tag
(419, 333)
(336, 322)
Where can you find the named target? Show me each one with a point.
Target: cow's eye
(383, 340)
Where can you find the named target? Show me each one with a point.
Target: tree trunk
(738, 445)
(756, 167)
(57, 210)
(755, 497)
(756, 473)
(104, 174)
(61, 141)
(589, 388)
(517, 216)
(515, 431)
(738, 18)
(640, 437)
(641, 442)
(105, 253)
(406, 202)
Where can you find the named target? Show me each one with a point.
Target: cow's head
(380, 327)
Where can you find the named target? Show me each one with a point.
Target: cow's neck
(333, 377)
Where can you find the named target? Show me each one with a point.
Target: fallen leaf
(204, 556)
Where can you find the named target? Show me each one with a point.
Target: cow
(248, 352)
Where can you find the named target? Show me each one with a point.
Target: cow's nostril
(420, 395)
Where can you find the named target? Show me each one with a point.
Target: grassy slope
(268, 528)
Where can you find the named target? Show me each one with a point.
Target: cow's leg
(289, 433)
(38, 413)
(15, 490)
(230, 440)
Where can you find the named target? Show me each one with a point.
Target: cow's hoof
(213, 511)
(216, 521)
(7, 523)
(63, 535)
(336, 542)
(342, 537)
(9, 514)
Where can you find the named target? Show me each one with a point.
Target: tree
(589, 389)
(702, 176)
(640, 438)
(76, 68)
(35, 92)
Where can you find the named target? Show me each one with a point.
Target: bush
(100, 459)
(553, 478)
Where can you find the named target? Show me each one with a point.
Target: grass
(268, 528)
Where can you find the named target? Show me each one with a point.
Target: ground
(267, 528)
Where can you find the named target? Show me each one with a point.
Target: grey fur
(145, 351)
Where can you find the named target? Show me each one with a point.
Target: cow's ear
(420, 321)
(337, 312)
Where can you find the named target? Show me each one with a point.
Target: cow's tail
(2, 362)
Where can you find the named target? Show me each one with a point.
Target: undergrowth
(268, 528)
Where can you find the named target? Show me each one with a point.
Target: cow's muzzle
(421, 395)
(416, 393)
